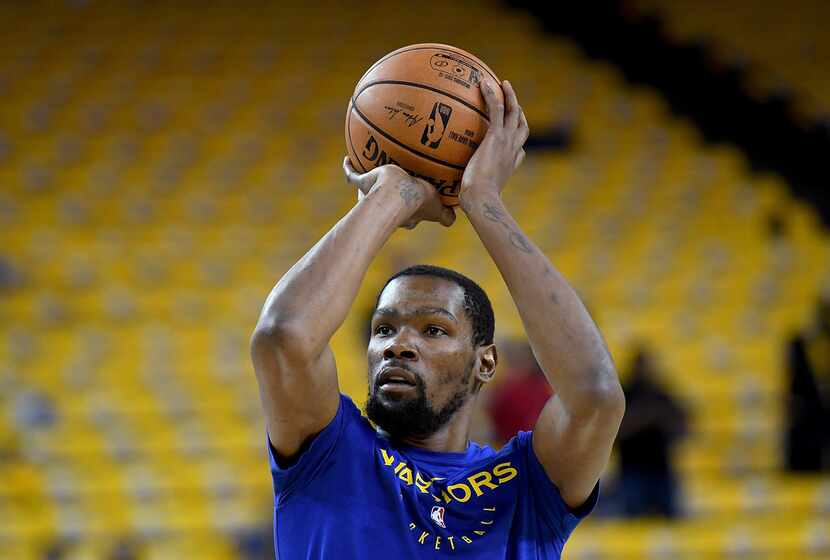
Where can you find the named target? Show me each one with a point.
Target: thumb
(447, 216)
(363, 182)
(520, 157)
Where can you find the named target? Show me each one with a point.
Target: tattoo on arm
(517, 238)
(520, 242)
(410, 193)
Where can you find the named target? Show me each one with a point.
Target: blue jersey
(353, 494)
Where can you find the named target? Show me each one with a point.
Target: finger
(447, 216)
(524, 130)
(511, 105)
(349, 170)
(362, 181)
(495, 107)
(520, 157)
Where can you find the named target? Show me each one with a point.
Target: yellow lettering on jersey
(463, 489)
(505, 472)
(452, 544)
(399, 466)
(479, 533)
(436, 498)
(406, 476)
(437, 543)
(478, 480)
(412, 526)
(422, 484)
(466, 539)
(387, 459)
(446, 496)
(423, 537)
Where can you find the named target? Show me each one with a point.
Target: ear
(487, 359)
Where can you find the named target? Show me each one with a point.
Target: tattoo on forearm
(517, 239)
(492, 213)
(410, 193)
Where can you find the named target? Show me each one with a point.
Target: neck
(453, 437)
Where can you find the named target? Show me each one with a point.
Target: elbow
(268, 329)
(274, 333)
(612, 402)
(275, 323)
(603, 396)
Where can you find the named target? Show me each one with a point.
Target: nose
(400, 349)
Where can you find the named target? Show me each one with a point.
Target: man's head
(431, 347)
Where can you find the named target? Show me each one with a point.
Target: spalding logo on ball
(420, 107)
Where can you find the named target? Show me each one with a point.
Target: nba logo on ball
(436, 125)
(437, 515)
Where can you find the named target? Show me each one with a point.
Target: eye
(435, 331)
(383, 330)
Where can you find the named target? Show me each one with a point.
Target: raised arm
(575, 432)
(290, 349)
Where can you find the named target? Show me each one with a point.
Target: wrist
(398, 200)
(474, 197)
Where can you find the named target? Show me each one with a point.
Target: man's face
(420, 355)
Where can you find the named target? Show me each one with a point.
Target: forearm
(564, 338)
(315, 295)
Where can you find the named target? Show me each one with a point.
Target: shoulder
(352, 420)
(352, 409)
(545, 494)
(324, 452)
(520, 444)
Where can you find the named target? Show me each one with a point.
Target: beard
(415, 416)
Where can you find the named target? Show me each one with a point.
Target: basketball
(420, 107)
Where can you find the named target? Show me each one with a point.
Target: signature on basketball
(411, 119)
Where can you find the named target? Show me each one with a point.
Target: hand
(421, 199)
(500, 153)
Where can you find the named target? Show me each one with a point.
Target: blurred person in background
(125, 548)
(414, 482)
(654, 421)
(10, 277)
(515, 403)
(254, 543)
(57, 549)
(807, 436)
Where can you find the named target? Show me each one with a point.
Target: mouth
(396, 389)
(396, 380)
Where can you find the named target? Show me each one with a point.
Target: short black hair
(476, 303)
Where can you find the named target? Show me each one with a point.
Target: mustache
(398, 365)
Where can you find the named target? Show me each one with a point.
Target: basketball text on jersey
(477, 484)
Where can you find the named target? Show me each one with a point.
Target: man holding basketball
(416, 487)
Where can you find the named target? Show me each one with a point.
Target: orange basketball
(420, 107)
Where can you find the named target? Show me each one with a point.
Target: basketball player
(415, 486)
